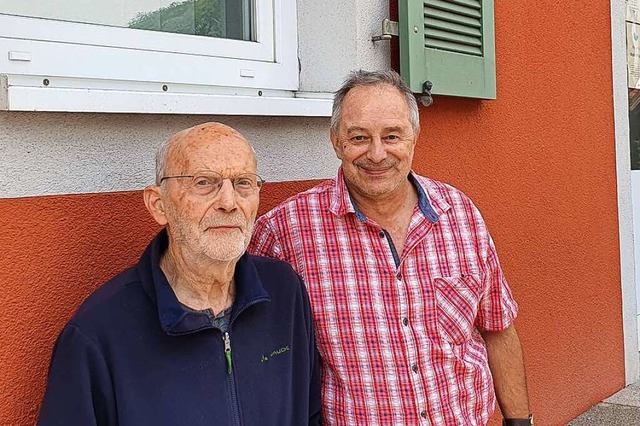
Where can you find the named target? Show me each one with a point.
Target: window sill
(17, 96)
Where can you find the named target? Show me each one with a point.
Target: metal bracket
(389, 29)
(425, 97)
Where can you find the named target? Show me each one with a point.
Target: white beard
(217, 245)
(224, 246)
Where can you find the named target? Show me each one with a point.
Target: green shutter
(450, 43)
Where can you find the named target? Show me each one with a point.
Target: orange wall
(55, 251)
(539, 162)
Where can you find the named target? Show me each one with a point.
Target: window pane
(634, 127)
(209, 18)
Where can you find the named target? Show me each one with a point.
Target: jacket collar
(174, 318)
(342, 202)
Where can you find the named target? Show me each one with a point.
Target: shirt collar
(342, 202)
(174, 318)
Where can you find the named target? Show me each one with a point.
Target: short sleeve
(497, 308)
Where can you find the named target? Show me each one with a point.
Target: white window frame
(49, 65)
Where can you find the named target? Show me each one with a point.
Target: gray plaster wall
(64, 153)
(334, 37)
(58, 153)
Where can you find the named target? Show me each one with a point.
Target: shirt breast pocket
(457, 300)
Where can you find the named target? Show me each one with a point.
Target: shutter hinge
(389, 29)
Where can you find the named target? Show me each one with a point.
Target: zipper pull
(227, 351)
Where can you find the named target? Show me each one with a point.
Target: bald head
(217, 136)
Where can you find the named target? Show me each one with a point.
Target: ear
(153, 200)
(336, 143)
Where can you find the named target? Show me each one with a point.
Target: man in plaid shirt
(414, 317)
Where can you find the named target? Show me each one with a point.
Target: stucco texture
(69, 153)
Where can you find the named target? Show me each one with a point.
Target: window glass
(230, 19)
(634, 127)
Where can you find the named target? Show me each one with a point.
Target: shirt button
(381, 234)
(405, 321)
(423, 414)
(399, 276)
(414, 368)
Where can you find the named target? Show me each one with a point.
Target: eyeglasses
(209, 183)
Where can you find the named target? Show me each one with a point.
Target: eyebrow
(387, 129)
(395, 129)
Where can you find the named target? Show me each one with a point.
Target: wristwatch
(518, 422)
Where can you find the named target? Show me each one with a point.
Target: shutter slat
(449, 6)
(476, 4)
(452, 17)
(454, 47)
(453, 27)
(452, 37)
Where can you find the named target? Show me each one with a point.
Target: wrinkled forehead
(211, 147)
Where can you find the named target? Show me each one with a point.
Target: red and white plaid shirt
(398, 333)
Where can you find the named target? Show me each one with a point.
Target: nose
(376, 152)
(225, 199)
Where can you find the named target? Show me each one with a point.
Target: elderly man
(413, 315)
(198, 332)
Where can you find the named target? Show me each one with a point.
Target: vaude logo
(265, 358)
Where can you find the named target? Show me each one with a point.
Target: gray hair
(162, 156)
(374, 78)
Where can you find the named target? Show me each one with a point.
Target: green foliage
(196, 17)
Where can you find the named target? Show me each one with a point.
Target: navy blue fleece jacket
(133, 355)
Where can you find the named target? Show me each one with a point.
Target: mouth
(375, 171)
(224, 228)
